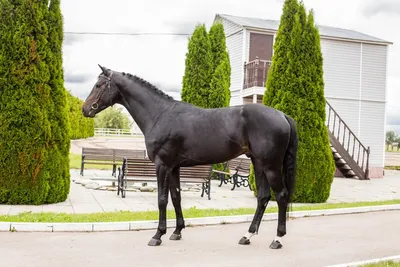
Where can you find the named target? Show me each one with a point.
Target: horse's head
(103, 95)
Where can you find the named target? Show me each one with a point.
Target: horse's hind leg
(282, 198)
(263, 197)
(176, 201)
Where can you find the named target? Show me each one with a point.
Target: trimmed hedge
(295, 86)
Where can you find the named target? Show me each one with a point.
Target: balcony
(255, 73)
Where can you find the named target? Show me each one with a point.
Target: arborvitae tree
(317, 167)
(220, 95)
(25, 130)
(280, 61)
(221, 72)
(300, 94)
(81, 127)
(58, 159)
(198, 70)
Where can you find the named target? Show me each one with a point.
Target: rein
(95, 104)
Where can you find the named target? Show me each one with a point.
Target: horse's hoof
(175, 237)
(154, 242)
(275, 245)
(244, 241)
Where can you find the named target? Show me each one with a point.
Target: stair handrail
(366, 150)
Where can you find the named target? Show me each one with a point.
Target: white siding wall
(372, 131)
(373, 96)
(234, 43)
(373, 72)
(341, 68)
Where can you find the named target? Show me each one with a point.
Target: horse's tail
(289, 162)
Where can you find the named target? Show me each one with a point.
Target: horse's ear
(103, 69)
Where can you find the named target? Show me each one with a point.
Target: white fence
(134, 131)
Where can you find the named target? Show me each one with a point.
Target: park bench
(108, 156)
(144, 170)
(236, 172)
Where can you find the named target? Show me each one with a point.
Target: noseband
(95, 104)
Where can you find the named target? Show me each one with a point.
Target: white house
(355, 73)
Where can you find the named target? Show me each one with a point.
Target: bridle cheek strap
(95, 104)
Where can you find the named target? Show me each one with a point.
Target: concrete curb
(361, 263)
(150, 225)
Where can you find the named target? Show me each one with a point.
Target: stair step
(345, 167)
(342, 165)
(340, 161)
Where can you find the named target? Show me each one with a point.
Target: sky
(160, 59)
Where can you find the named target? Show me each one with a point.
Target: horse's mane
(147, 84)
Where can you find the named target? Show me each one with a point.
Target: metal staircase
(351, 156)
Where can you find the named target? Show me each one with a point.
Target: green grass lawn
(75, 163)
(391, 148)
(396, 168)
(383, 264)
(153, 215)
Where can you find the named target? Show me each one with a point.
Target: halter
(95, 104)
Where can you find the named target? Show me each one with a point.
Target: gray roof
(323, 30)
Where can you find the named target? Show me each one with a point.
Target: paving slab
(319, 241)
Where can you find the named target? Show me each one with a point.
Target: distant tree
(391, 137)
(198, 69)
(113, 118)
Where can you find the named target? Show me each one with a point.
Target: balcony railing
(255, 73)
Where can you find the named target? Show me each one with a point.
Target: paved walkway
(310, 242)
(83, 200)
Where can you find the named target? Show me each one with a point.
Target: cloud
(71, 39)
(76, 77)
(388, 7)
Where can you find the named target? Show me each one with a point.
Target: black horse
(178, 134)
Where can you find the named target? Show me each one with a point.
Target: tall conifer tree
(25, 130)
(198, 69)
(220, 93)
(34, 134)
(58, 160)
(297, 89)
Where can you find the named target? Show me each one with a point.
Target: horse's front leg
(176, 201)
(162, 186)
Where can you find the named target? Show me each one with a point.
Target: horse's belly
(215, 148)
